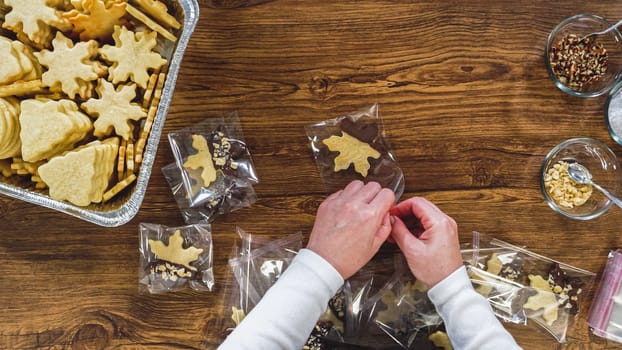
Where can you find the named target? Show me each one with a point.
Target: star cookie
(543, 299)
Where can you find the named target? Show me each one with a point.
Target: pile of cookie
(80, 84)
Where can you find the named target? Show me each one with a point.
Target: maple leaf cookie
(202, 159)
(175, 252)
(114, 109)
(132, 56)
(34, 19)
(543, 300)
(96, 21)
(351, 151)
(71, 68)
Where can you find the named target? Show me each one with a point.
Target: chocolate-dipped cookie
(568, 289)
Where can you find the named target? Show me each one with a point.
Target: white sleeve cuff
(322, 268)
(447, 288)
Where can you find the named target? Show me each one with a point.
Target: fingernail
(392, 219)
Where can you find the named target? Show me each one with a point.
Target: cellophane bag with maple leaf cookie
(172, 258)
(354, 146)
(237, 195)
(214, 168)
(524, 287)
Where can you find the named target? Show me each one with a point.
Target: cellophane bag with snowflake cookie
(172, 258)
(354, 146)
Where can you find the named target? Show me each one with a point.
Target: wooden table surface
(467, 105)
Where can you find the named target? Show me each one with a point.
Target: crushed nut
(577, 63)
(170, 272)
(222, 151)
(563, 190)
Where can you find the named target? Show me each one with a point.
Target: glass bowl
(582, 25)
(602, 164)
(613, 114)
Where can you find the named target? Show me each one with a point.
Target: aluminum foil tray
(122, 208)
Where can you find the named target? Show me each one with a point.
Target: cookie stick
(159, 11)
(140, 144)
(121, 160)
(136, 13)
(118, 187)
(129, 157)
(150, 87)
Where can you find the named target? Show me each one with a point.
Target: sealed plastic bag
(173, 257)
(520, 284)
(354, 146)
(236, 195)
(605, 317)
(211, 156)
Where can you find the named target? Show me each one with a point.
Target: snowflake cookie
(71, 68)
(96, 20)
(114, 109)
(33, 20)
(132, 56)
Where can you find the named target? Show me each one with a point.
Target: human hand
(431, 247)
(351, 225)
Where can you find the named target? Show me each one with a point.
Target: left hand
(351, 225)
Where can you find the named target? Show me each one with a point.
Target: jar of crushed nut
(562, 189)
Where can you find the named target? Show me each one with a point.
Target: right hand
(431, 250)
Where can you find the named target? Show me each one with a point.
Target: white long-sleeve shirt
(288, 312)
(469, 319)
